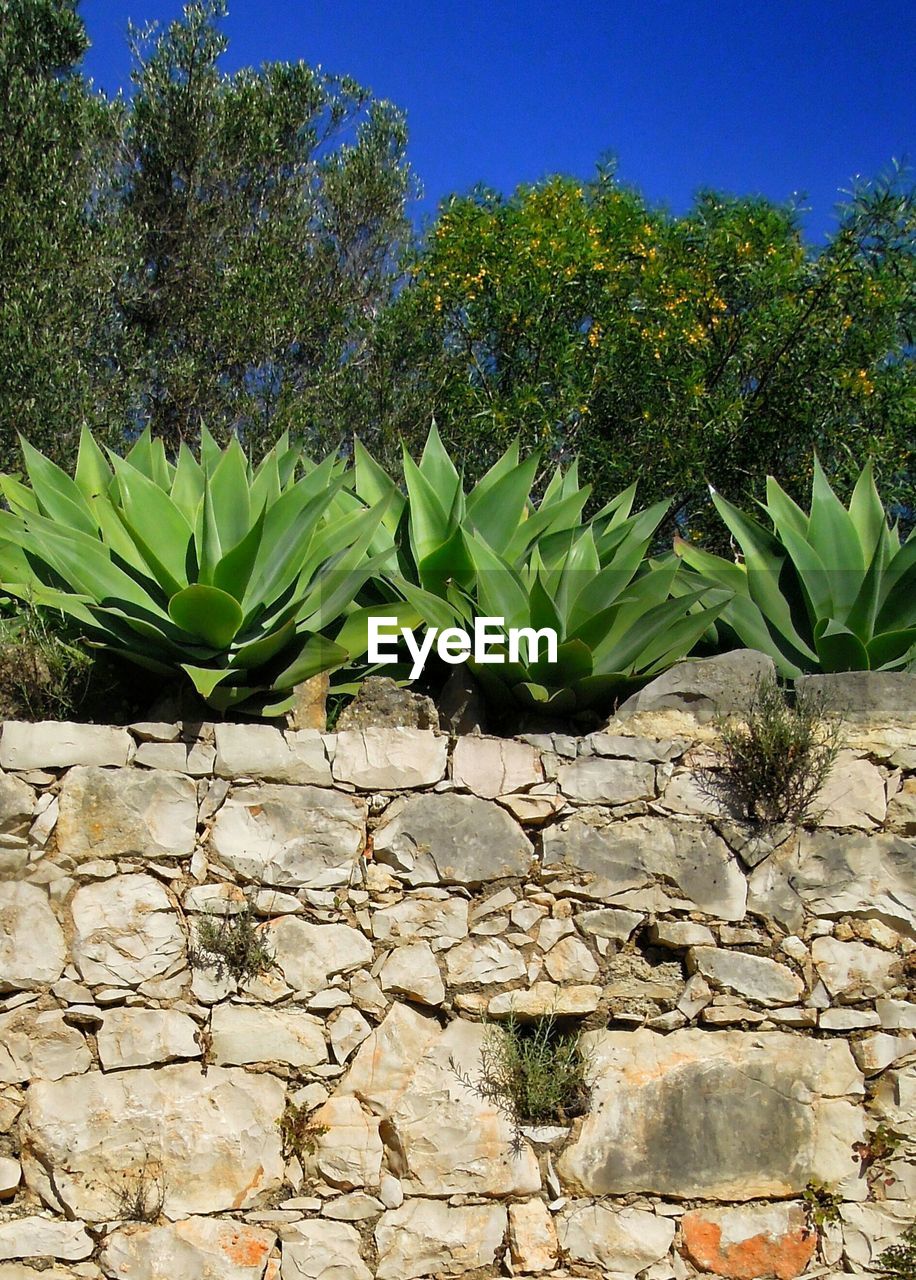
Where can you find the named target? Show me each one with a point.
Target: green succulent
(833, 589)
(229, 573)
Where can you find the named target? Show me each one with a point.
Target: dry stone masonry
(748, 1003)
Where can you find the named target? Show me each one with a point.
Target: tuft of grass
(233, 945)
(534, 1072)
(141, 1195)
(775, 756)
(899, 1261)
(44, 674)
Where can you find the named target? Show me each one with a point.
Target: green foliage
(56, 141)
(227, 573)
(233, 944)
(535, 1072)
(259, 214)
(776, 756)
(822, 1204)
(43, 674)
(715, 346)
(899, 1261)
(832, 589)
(498, 553)
(298, 1135)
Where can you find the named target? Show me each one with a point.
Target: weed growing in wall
(899, 1261)
(233, 945)
(775, 756)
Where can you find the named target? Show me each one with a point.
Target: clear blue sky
(751, 96)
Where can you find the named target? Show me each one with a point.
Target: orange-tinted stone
(749, 1242)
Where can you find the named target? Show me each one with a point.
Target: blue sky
(777, 97)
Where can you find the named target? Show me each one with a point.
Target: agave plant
(832, 589)
(228, 573)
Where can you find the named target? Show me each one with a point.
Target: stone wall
(749, 1005)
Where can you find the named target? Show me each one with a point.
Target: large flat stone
(866, 697)
(262, 751)
(294, 836)
(854, 795)
(716, 1115)
(37, 1237)
(61, 744)
(456, 838)
(244, 1033)
(625, 856)
(308, 955)
(38, 1045)
(454, 1141)
(212, 1141)
(194, 1249)
(105, 813)
(756, 977)
(832, 875)
(702, 687)
(32, 949)
(426, 1237)
(750, 1241)
(852, 971)
(144, 1037)
(597, 780)
(491, 767)
(618, 1240)
(321, 1250)
(126, 932)
(390, 759)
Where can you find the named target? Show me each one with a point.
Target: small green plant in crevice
(775, 756)
(233, 945)
(877, 1148)
(822, 1205)
(298, 1135)
(140, 1195)
(899, 1261)
(534, 1072)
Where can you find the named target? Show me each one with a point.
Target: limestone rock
(245, 1033)
(458, 839)
(570, 960)
(484, 961)
(901, 810)
(491, 767)
(105, 813)
(749, 1241)
(322, 1250)
(852, 971)
(144, 1037)
(866, 697)
(193, 1249)
(32, 950)
(348, 1149)
(125, 932)
(753, 976)
(833, 875)
(37, 1237)
(17, 801)
(387, 759)
(38, 1045)
(623, 746)
(263, 751)
(381, 703)
(451, 1140)
(543, 998)
(619, 1240)
(308, 955)
(702, 687)
(426, 1237)
(412, 971)
(418, 918)
(285, 835)
(595, 780)
(60, 744)
(532, 1237)
(348, 1030)
(211, 1141)
(677, 935)
(613, 923)
(853, 796)
(10, 1176)
(626, 856)
(310, 706)
(716, 1115)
